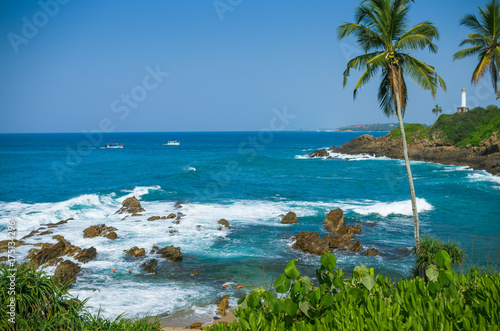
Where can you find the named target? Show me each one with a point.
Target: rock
(65, 221)
(403, 251)
(112, 235)
(178, 205)
(334, 220)
(196, 325)
(3, 258)
(370, 223)
(309, 242)
(154, 218)
(319, 153)
(5, 249)
(86, 255)
(222, 305)
(42, 245)
(173, 231)
(371, 252)
(51, 255)
(225, 223)
(177, 222)
(172, 215)
(150, 266)
(355, 246)
(99, 231)
(134, 214)
(136, 252)
(163, 217)
(58, 237)
(130, 205)
(31, 234)
(5, 243)
(193, 274)
(66, 272)
(31, 253)
(45, 232)
(154, 249)
(171, 253)
(289, 218)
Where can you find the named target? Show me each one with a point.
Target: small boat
(114, 145)
(173, 143)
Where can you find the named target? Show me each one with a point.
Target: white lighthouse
(464, 102)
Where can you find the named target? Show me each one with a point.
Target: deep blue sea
(248, 178)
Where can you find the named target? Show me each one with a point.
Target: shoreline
(486, 156)
(168, 325)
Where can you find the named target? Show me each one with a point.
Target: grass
(42, 302)
(460, 129)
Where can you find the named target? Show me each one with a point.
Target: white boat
(173, 143)
(114, 145)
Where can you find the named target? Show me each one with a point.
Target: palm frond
(467, 52)
(481, 68)
(370, 71)
(358, 63)
(421, 73)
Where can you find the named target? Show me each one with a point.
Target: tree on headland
(483, 42)
(437, 110)
(381, 31)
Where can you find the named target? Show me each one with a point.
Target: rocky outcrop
(154, 218)
(130, 205)
(171, 216)
(100, 231)
(319, 153)
(371, 252)
(310, 242)
(222, 305)
(334, 220)
(52, 254)
(289, 218)
(224, 223)
(485, 156)
(150, 266)
(171, 253)
(86, 255)
(136, 252)
(31, 234)
(66, 272)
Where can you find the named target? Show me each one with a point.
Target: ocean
(248, 178)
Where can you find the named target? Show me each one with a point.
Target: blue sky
(185, 65)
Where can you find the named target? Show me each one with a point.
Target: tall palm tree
(484, 42)
(437, 110)
(381, 31)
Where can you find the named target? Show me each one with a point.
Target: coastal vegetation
(484, 42)
(365, 301)
(43, 302)
(381, 30)
(460, 129)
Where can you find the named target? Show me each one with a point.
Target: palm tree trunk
(416, 231)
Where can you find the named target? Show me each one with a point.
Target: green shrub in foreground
(41, 304)
(448, 301)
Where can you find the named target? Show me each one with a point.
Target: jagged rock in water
(225, 223)
(222, 305)
(334, 220)
(171, 253)
(154, 218)
(136, 252)
(289, 218)
(31, 234)
(319, 153)
(86, 255)
(51, 255)
(66, 272)
(171, 215)
(130, 205)
(371, 252)
(150, 266)
(100, 231)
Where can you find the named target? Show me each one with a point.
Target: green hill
(460, 129)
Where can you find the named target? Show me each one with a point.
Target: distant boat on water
(173, 143)
(114, 145)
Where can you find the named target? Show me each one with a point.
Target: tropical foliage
(483, 42)
(41, 302)
(437, 110)
(366, 301)
(381, 30)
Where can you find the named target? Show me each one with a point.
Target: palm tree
(484, 42)
(381, 31)
(437, 110)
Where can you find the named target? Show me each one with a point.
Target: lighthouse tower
(464, 103)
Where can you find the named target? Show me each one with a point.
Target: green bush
(411, 130)
(367, 302)
(40, 302)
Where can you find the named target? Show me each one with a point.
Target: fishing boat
(114, 145)
(173, 143)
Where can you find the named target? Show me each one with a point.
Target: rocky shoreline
(485, 156)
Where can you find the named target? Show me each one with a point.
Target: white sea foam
(188, 168)
(483, 176)
(346, 157)
(387, 208)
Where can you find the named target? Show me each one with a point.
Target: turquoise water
(248, 178)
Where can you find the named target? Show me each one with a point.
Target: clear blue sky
(76, 68)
